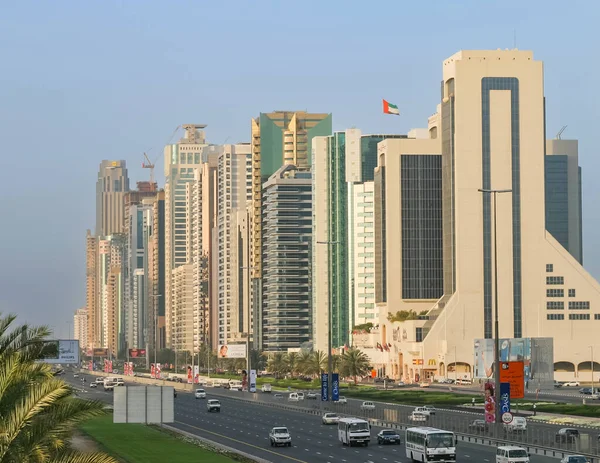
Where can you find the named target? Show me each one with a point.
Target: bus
(354, 431)
(430, 444)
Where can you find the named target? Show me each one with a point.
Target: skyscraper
(286, 284)
(80, 327)
(92, 301)
(279, 138)
(182, 165)
(563, 195)
(155, 320)
(111, 187)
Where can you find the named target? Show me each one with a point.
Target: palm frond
(75, 457)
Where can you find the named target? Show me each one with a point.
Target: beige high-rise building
(80, 327)
(91, 292)
(490, 130)
(155, 323)
(111, 187)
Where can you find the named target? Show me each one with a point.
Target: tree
(303, 362)
(39, 411)
(317, 363)
(354, 363)
(258, 360)
(278, 364)
(291, 361)
(404, 315)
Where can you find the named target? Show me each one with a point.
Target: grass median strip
(137, 443)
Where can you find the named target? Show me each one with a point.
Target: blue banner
(504, 398)
(324, 384)
(335, 387)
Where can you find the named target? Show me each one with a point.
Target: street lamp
(249, 321)
(155, 327)
(329, 347)
(592, 349)
(496, 329)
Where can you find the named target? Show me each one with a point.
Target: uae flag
(389, 108)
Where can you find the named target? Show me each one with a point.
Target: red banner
(189, 374)
(514, 374)
(152, 371)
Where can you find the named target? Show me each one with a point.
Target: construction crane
(149, 165)
(558, 135)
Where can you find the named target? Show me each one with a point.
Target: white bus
(354, 431)
(430, 444)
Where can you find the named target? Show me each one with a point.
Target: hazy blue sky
(82, 81)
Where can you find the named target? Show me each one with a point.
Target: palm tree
(278, 364)
(303, 362)
(291, 361)
(317, 363)
(39, 412)
(259, 361)
(354, 363)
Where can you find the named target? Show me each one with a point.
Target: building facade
(490, 132)
(111, 186)
(92, 301)
(80, 327)
(155, 316)
(286, 315)
(279, 138)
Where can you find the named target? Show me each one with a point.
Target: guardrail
(537, 439)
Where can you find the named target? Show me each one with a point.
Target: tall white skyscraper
(80, 327)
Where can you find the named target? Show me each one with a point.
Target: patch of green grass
(137, 443)
(408, 397)
(589, 411)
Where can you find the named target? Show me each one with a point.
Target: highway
(245, 426)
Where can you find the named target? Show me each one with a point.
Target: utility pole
(329, 323)
(249, 325)
(498, 422)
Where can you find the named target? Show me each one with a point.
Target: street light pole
(592, 349)
(498, 420)
(155, 327)
(249, 320)
(329, 323)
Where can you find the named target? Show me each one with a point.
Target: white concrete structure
(491, 134)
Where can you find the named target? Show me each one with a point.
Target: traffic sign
(507, 417)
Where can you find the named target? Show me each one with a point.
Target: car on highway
(511, 454)
(418, 416)
(571, 384)
(566, 436)
(75, 375)
(213, 405)
(425, 410)
(93, 384)
(330, 418)
(293, 397)
(367, 406)
(424, 384)
(100, 380)
(388, 436)
(300, 395)
(266, 388)
(311, 396)
(478, 426)
(200, 394)
(280, 435)
(120, 382)
(278, 396)
(518, 424)
(109, 385)
(557, 384)
(574, 459)
(342, 400)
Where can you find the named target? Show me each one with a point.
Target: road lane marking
(241, 442)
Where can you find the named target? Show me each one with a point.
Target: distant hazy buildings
(80, 327)
(111, 186)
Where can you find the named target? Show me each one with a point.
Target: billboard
(324, 387)
(537, 355)
(100, 352)
(136, 353)
(65, 351)
(513, 373)
(232, 351)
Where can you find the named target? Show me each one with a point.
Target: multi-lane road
(245, 425)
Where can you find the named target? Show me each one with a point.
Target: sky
(82, 81)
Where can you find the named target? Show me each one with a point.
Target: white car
(518, 424)
(330, 418)
(93, 384)
(367, 406)
(75, 375)
(311, 395)
(574, 459)
(300, 395)
(342, 400)
(571, 384)
(424, 410)
(511, 454)
(100, 380)
(200, 394)
(280, 436)
(213, 405)
(266, 388)
(418, 416)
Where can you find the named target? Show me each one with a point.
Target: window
(555, 293)
(597, 316)
(419, 334)
(549, 268)
(571, 292)
(555, 316)
(579, 305)
(555, 280)
(555, 305)
(579, 316)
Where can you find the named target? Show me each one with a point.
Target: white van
(293, 397)
(511, 454)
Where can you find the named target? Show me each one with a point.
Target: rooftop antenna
(560, 132)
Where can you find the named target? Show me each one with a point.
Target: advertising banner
(196, 374)
(252, 380)
(232, 351)
(490, 404)
(137, 353)
(90, 366)
(157, 371)
(324, 387)
(335, 387)
(100, 352)
(513, 373)
(65, 351)
(189, 374)
(152, 371)
(505, 403)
